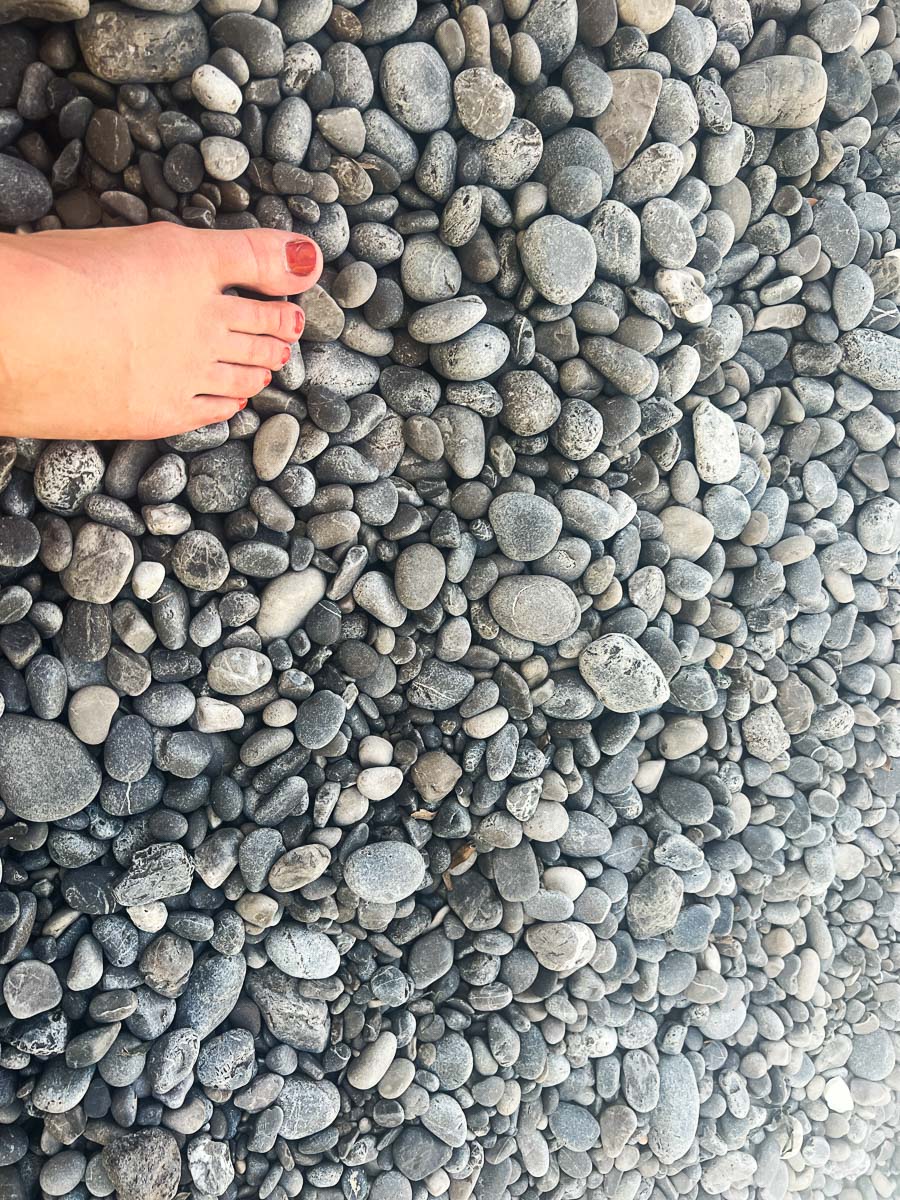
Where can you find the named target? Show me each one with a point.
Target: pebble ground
(472, 771)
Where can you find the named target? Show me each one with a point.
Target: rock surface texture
(472, 771)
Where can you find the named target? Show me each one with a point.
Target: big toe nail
(302, 256)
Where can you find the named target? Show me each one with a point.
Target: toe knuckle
(255, 251)
(286, 319)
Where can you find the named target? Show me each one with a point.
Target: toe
(228, 379)
(283, 321)
(212, 409)
(267, 261)
(248, 350)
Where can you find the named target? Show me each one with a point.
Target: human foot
(126, 333)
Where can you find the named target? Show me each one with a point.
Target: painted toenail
(268, 379)
(286, 354)
(301, 257)
(299, 319)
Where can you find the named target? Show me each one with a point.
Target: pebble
(416, 87)
(872, 357)
(526, 527)
(124, 45)
(673, 1123)
(287, 601)
(146, 1163)
(622, 675)
(559, 258)
(30, 988)
(537, 608)
(655, 902)
(45, 773)
(25, 194)
(484, 103)
(783, 91)
(716, 444)
(102, 559)
(385, 873)
(370, 1067)
(308, 1107)
(302, 953)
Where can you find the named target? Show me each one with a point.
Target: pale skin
(128, 333)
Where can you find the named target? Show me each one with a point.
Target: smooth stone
(623, 125)
(654, 903)
(446, 320)
(852, 296)
(385, 872)
(717, 451)
(536, 608)
(101, 563)
(553, 25)
(873, 1056)
(302, 953)
(484, 103)
(476, 354)
(289, 130)
(91, 710)
(783, 91)
(559, 258)
(125, 45)
(419, 575)
(371, 1065)
(616, 232)
(309, 1106)
(224, 158)
(873, 357)
(25, 195)
(287, 601)
(622, 675)
(561, 946)
(687, 533)
(214, 986)
(30, 988)
(238, 671)
(878, 525)
(215, 91)
(647, 15)
(46, 774)
(511, 158)
(415, 84)
(674, 1121)
(526, 527)
(530, 405)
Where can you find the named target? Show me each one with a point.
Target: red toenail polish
(242, 404)
(286, 354)
(268, 379)
(301, 257)
(299, 319)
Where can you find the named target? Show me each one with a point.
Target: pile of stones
(471, 770)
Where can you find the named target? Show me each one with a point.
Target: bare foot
(126, 333)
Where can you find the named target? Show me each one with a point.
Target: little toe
(229, 379)
(250, 350)
(267, 261)
(279, 320)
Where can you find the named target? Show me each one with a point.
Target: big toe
(267, 261)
